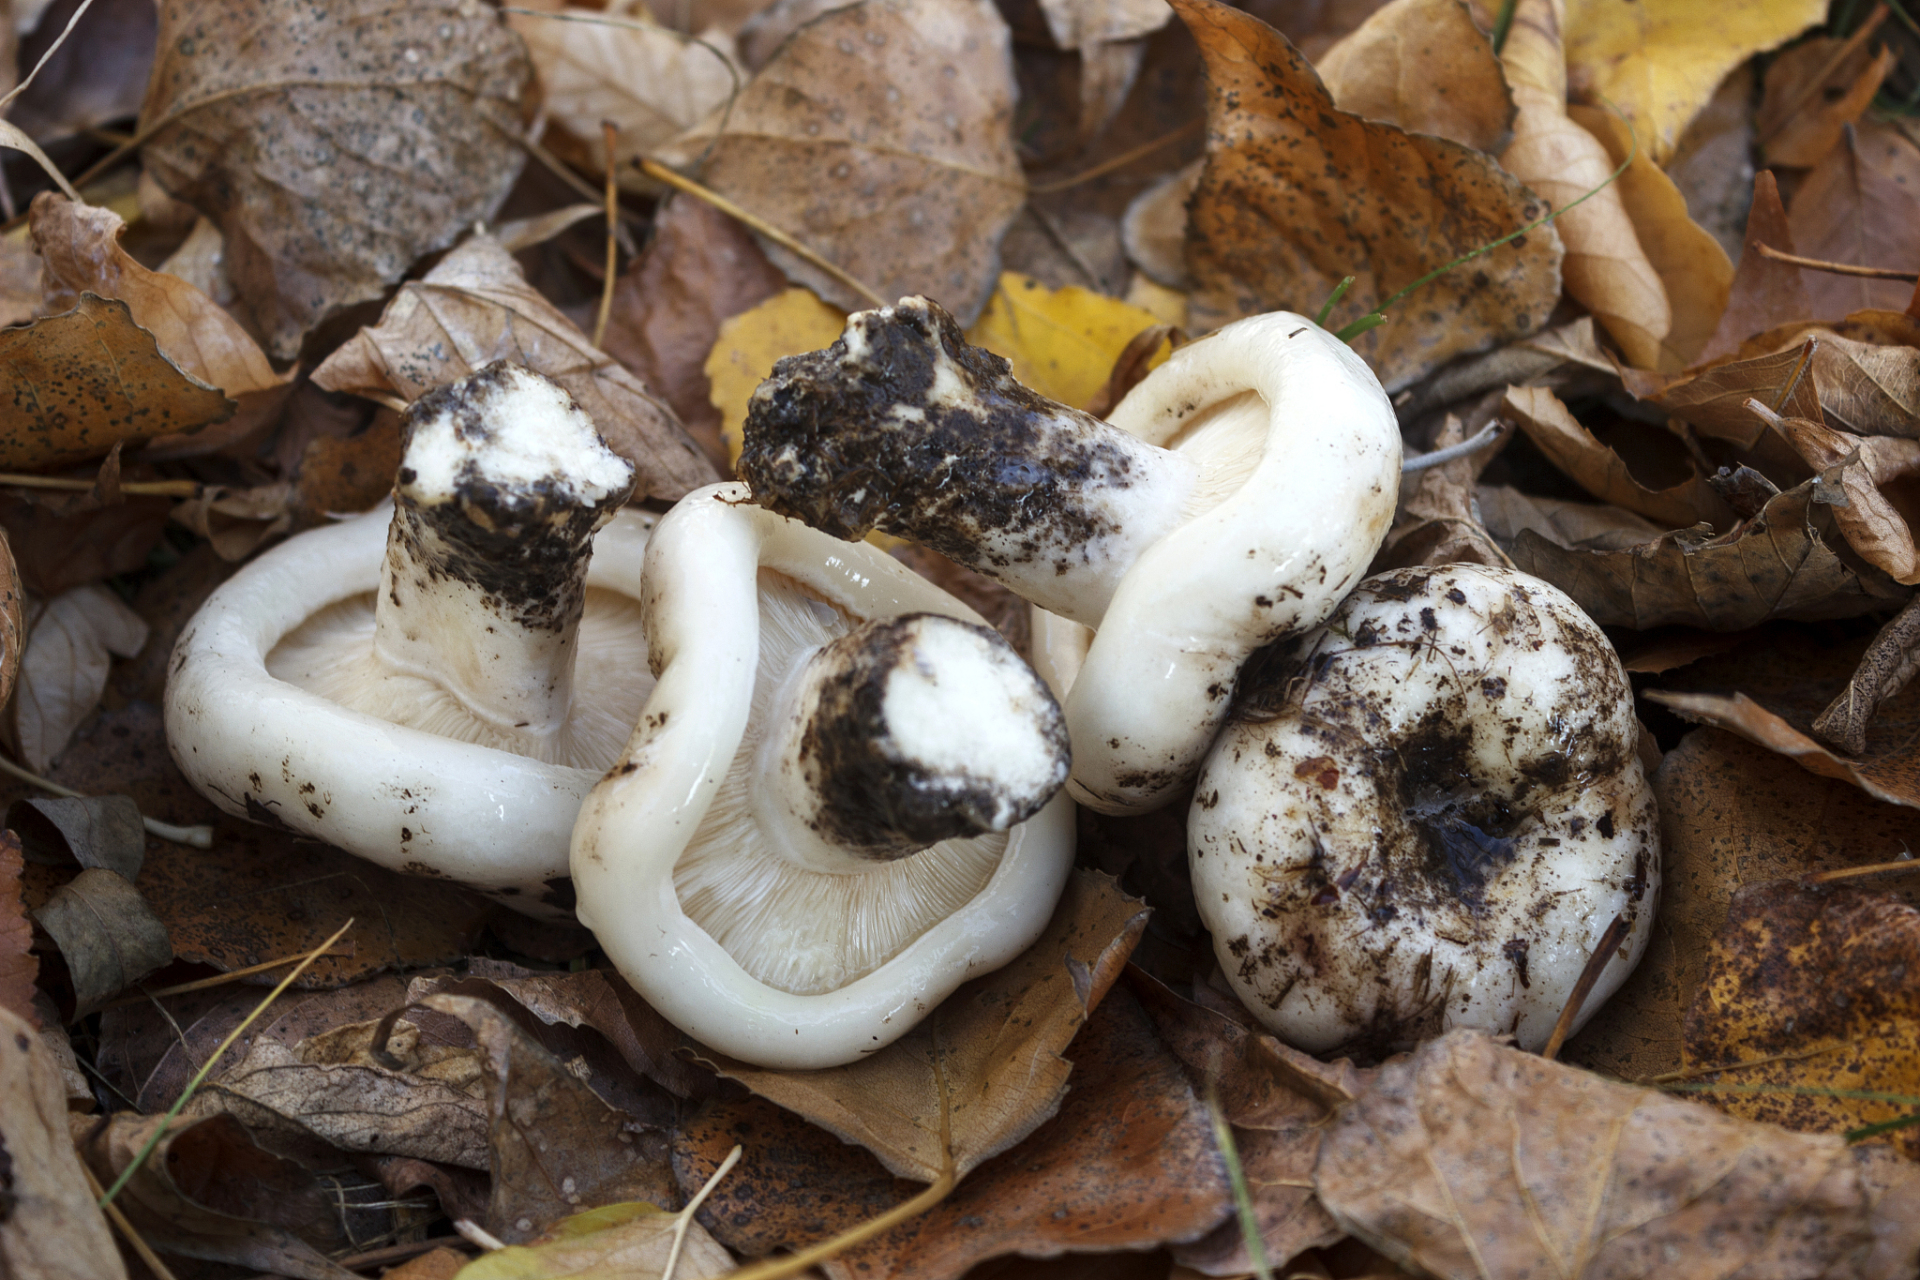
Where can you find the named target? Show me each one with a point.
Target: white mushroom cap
(386, 687)
(1424, 814)
(1238, 493)
(729, 892)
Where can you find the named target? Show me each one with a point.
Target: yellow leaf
(1062, 342)
(784, 325)
(1660, 60)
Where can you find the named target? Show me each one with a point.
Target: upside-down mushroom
(1235, 496)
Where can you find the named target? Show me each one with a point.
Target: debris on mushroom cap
(1424, 814)
(752, 909)
(1235, 496)
(437, 688)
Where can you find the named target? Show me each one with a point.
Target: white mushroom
(812, 838)
(435, 688)
(1238, 493)
(1425, 814)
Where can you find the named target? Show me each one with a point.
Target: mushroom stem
(901, 734)
(904, 427)
(502, 487)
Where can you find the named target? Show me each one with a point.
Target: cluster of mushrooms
(800, 793)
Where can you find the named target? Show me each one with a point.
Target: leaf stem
(200, 837)
(1242, 1194)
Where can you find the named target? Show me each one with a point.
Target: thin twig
(1242, 1194)
(685, 1216)
(389, 1255)
(199, 1077)
(1899, 867)
(1440, 457)
(1602, 956)
(200, 837)
(134, 488)
(1836, 268)
(1690, 1073)
(133, 1238)
(611, 132)
(660, 173)
(217, 980)
(477, 1235)
(1120, 161)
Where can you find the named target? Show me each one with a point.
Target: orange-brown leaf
(1422, 65)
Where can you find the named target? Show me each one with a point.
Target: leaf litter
(322, 213)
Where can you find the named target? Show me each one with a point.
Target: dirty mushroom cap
(1424, 814)
(836, 807)
(1238, 492)
(435, 687)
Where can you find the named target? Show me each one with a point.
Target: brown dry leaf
(1473, 1159)
(70, 404)
(1425, 66)
(475, 307)
(52, 1229)
(345, 474)
(621, 67)
(1587, 526)
(1128, 1163)
(1776, 565)
(95, 77)
(59, 544)
(1874, 524)
(1731, 814)
(701, 269)
(13, 625)
(1765, 291)
(880, 136)
(1605, 268)
(1693, 268)
(1860, 205)
(1297, 195)
(237, 521)
(1772, 698)
(63, 670)
(630, 1241)
(209, 1191)
(1661, 60)
(1816, 980)
(80, 247)
(1865, 376)
(106, 933)
(18, 965)
(1602, 472)
(261, 894)
(334, 144)
(88, 831)
(1438, 521)
(991, 1051)
(1567, 353)
(555, 1146)
(1714, 399)
(19, 280)
(1814, 90)
(1713, 165)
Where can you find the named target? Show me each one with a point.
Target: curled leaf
(106, 933)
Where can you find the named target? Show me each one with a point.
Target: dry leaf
(13, 626)
(1154, 228)
(1472, 1159)
(1815, 90)
(1566, 353)
(1814, 979)
(1438, 521)
(334, 144)
(475, 307)
(18, 965)
(1425, 66)
(701, 269)
(1730, 814)
(879, 137)
(52, 1229)
(1128, 1163)
(95, 77)
(750, 343)
(1693, 268)
(1714, 399)
(106, 933)
(1860, 205)
(19, 280)
(70, 404)
(1713, 165)
(63, 670)
(1110, 37)
(58, 544)
(91, 831)
(80, 246)
(1585, 526)
(1865, 379)
(1772, 698)
(208, 1191)
(631, 1241)
(237, 521)
(341, 475)
(991, 1051)
(1661, 60)
(1776, 565)
(1297, 195)
(1765, 291)
(1602, 472)
(555, 1146)
(1062, 342)
(1874, 524)
(1605, 268)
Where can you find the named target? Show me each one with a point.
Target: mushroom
(838, 803)
(441, 708)
(1425, 814)
(1235, 496)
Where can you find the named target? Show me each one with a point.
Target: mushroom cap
(1299, 455)
(1424, 815)
(262, 746)
(694, 901)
